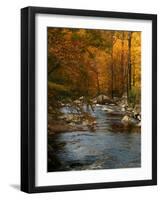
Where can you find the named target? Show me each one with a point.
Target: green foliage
(94, 38)
(75, 36)
(53, 63)
(59, 89)
(134, 96)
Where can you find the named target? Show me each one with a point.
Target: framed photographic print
(88, 99)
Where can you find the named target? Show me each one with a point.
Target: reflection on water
(110, 146)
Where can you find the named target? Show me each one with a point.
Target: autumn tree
(87, 62)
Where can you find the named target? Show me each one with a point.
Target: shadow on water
(111, 146)
(53, 159)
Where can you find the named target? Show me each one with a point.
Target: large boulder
(127, 120)
(102, 99)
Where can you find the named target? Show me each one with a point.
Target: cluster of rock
(132, 115)
(81, 119)
(78, 120)
(103, 99)
(100, 99)
(128, 120)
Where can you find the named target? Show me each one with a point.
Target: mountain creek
(110, 145)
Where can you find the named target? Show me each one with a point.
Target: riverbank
(61, 126)
(71, 121)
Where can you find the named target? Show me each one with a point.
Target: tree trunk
(98, 85)
(133, 82)
(122, 64)
(129, 60)
(129, 71)
(112, 65)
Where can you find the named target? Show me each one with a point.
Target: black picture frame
(28, 98)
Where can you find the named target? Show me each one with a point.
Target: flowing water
(110, 146)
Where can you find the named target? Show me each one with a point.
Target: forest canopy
(89, 62)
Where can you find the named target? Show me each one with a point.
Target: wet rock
(123, 109)
(127, 120)
(72, 124)
(139, 124)
(109, 110)
(139, 117)
(62, 104)
(129, 109)
(81, 98)
(112, 104)
(77, 102)
(137, 109)
(98, 105)
(94, 101)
